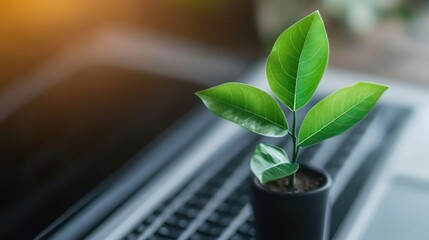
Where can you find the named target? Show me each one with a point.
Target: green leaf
(338, 112)
(298, 60)
(270, 163)
(247, 106)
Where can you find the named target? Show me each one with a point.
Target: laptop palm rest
(403, 212)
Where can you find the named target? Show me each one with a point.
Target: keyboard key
(239, 199)
(219, 219)
(199, 236)
(198, 201)
(210, 229)
(159, 238)
(247, 229)
(150, 219)
(131, 236)
(229, 209)
(237, 237)
(196, 237)
(178, 221)
(169, 231)
(214, 218)
(223, 207)
(140, 228)
(217, 181)
(160, 208)
(207, 191)
(188, 212)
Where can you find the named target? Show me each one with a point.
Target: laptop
(101, 156)
(192, 181)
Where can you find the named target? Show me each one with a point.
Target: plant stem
(292, 178)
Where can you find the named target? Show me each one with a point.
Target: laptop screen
(63, 143)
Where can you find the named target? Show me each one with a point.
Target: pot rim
(324, 187)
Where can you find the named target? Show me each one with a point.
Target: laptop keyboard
(199, 213)
(215, 204)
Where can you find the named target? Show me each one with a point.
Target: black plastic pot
(292, 216)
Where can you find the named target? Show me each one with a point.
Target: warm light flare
(32, 31)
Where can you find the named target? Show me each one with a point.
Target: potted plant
(291, 201)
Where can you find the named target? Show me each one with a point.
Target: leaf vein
(333, 120)
(234, 106)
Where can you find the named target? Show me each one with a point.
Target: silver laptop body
(383, 174)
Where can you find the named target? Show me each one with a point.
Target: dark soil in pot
(305, 181)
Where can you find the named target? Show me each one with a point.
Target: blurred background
(86, 84)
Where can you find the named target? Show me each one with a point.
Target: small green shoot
(270, 162)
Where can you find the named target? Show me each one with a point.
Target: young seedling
(294, 69)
